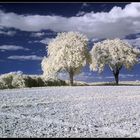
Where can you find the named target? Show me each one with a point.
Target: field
(80, 111)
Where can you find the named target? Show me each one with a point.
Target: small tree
(115, 53)
(67, 52)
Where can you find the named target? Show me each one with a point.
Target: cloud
(83, 76)
(46, 40)
(121, 76)
(127, 75)
(109, 77)
(24, 57)
(9, 33)
(85, 5)
(82, 8)
(134, 42)
(12, 48)
(33, 41)
(1, 27)
(117, 22)
(63, 75)
(80, 13)
(90, 77)
(41, 34)
(38, 34)
(94, 39)
(43, 41)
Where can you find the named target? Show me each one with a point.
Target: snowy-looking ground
(98, 111)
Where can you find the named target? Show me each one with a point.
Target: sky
(27, 28)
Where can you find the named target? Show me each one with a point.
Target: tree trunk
(116, 75)
(71, 77)
(117, 78)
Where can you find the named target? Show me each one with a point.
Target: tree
(115, 53)
(67, 52)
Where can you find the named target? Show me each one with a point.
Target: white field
(90, 111)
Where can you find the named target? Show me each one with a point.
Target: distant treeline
(20, 80)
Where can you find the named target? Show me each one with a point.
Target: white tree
(115, 53)
(67, 52)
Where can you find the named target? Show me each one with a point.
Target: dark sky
(65, 9)
(26, 28)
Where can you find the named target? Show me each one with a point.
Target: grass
(121, 83)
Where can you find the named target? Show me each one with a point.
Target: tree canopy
(67, 52)
(115, 53)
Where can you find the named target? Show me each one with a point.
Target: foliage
(67, 52)
(19, 80)
(115, 53)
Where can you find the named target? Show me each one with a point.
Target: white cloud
(127, 75)
(85, 5)
(83, 76)
(134, 42)
(117, 22)
(121, 76)
(38, 34)
(24, 57)
(12, 48)
(63, 75)
(33, 41)
(109, 77)
(46, 40)
(138, 35)
(80, 13)
(43, 41)
(1, 27)
(94, 39)
(9, 33)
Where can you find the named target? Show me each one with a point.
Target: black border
(66, 1)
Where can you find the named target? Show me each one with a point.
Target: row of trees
(69, 52)
(20, 80)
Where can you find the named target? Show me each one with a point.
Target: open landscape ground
(80, 111)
